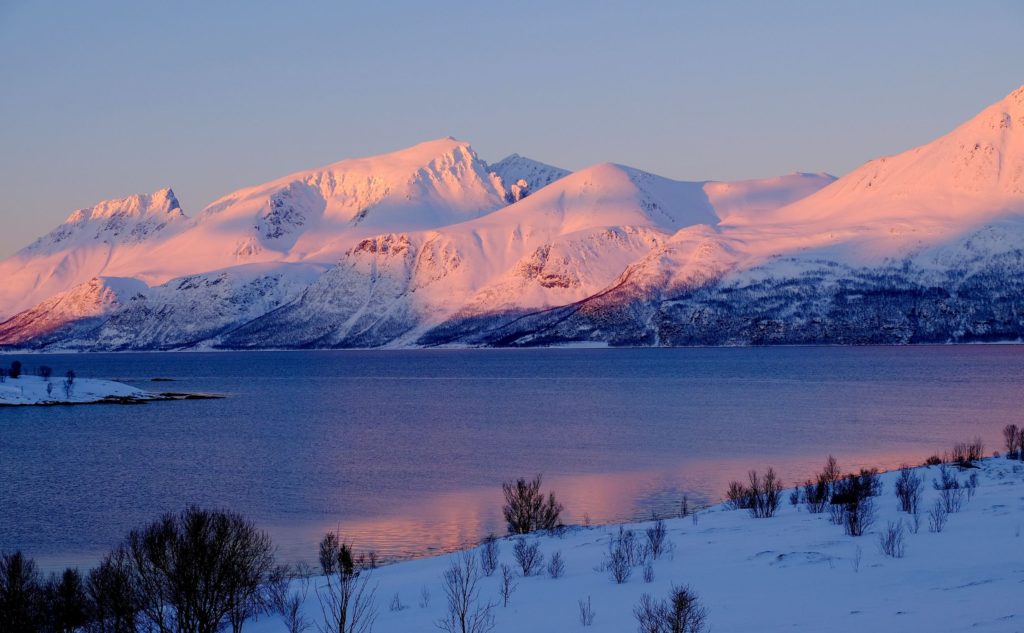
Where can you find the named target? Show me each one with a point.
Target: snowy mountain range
(432, 246)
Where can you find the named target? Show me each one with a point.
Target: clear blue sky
(101, 99)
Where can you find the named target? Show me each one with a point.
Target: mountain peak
(161, 202)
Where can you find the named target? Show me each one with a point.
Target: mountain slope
(560, 245)
(92, 242)
(925, 246)
(431, 246)
(311, 216)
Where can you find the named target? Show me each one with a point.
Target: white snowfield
(29, 390)
(793, 572)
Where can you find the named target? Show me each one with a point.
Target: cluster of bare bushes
(761, 495)
(195, 571)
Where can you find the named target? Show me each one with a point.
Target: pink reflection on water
(452, 520)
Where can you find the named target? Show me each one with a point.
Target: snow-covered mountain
(97, 241)
(432, 246)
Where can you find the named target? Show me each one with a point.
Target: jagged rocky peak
(518, 176)
(131, 219)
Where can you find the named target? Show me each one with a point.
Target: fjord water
(405, 451)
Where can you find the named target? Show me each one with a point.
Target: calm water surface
(405, 451)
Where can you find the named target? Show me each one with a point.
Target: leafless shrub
(508, 584)
(892, 541)
(965, 453)
(556, 566)
(465, 614)
(656, 539)
(794, 495)
(858, 555)
(586, 612)
(396, 604)
(681, 613)
(972, 485)
(621, 551)
(424, 597)
(934, 460)
(489, 555)
(852, 503)
(346, 601)
(648, 573)
(909, 489)
(764, 494)
(738, 496)
(287, 594)
(684, 508)
(937, 517)
(951, 493)
(528, 556)
(526, 509)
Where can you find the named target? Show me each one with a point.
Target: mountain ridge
(433, 246)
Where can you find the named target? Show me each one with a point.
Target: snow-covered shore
(793, 572)
(33, 390)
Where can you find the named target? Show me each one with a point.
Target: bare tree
(15, 370)
(892, 541)
(508, 584)
(45, 371)
(69, 383)
(526, 509)
(489, 555)
(586, 612)
(66, 602)
(199, 569)
(528, 556)
(346, 600)
(113, 595)
(1011, 437)
(424, 597)
(20, 593)
(465, 614)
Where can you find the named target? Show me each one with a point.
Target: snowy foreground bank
(35, 390)
(794, 572)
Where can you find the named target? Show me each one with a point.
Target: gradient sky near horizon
(103, 99)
